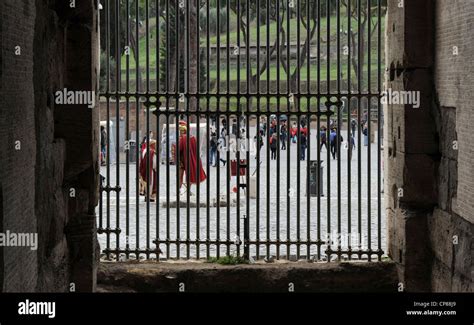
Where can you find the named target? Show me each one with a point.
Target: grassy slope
(152, 54)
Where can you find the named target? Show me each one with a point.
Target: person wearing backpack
(213, 148)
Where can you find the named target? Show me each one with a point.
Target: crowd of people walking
(275, 132)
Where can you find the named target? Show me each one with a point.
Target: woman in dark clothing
(273, 146)
(323, 139)
(103, 145)
(283, 136)
(303, 144)
(213, 147)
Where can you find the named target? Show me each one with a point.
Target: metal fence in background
(279, 101)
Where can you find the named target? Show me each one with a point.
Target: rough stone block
(409, 248)
(463, 251)
(440, 277)
(416, 180)
(441, 236)
(448, 133)
(407, 30)
(460, 283)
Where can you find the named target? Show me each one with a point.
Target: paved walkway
(271, 216)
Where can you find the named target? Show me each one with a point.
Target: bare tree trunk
(358, 56)
(193, 30)
(134, 45)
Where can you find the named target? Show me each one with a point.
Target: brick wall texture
(454, 79)
(47, 149)
(429, 151)
(452, 225)
(17, 123)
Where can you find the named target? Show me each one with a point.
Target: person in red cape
(194, 164)
(143, 146)
(152, 165)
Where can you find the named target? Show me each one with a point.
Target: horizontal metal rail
(251, 129)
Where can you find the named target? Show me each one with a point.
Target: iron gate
(278, 87)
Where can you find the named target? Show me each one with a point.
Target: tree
(358, 36)
(169, 60)
(110, 26)
(269, 9)
(309, 20)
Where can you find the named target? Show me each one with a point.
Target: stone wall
(58, 144)
(17, 144)
(429, 213)
(451, 226)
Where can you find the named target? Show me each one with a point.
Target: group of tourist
(185, 151)
(187, 155)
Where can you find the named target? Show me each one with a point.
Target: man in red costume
(190, 152)
(152, 165)
(143, 147)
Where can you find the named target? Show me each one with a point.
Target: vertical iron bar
(308, 118)
(218, 179)
(246, 237)
(148, 176)
(359, 151)
(247, 137)
(227, 126)
(158, 146)
(278, 125)
(177, 118)
(198, 124)
(178, 179)
(339, 124)
(267, 145)
(298, 100)
(107, 42)
(258, 138)
(117, 130)
(218, 80)
(369, 128)
(298, 178)
(289, 104)
(238, 125)
(328, 120)
(208, 87)
(228, 163)
(198, 174)
(188, 121)
(349, 125)
(208, 181)
(318, 103)
(137, 135)
(379, 133)
(127, 130)
(168, 185)
(267, 238)
(157, 49)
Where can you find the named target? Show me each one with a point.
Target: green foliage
(228, 260)
(213, 20)
(168, 50)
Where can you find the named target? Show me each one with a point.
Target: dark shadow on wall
(66, 138)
